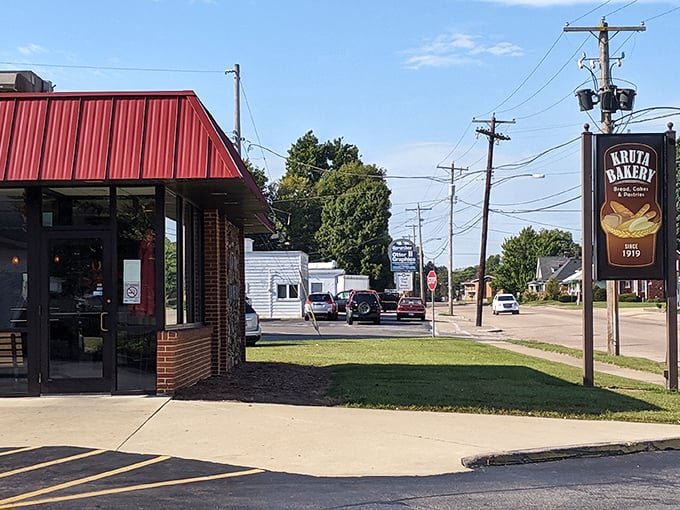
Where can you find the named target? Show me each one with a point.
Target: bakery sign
(630, 177)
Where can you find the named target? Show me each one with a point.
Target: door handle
(101, 321)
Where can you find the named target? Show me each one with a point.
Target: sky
(409, 84)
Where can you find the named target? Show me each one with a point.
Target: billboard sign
(403, 256)
(630, 178)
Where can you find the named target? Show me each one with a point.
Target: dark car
(363, 305)
(341, 299)
(388, 301)
(411, 307)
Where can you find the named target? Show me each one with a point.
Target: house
(276, 281)
(323, 277)
(471, 287)
(559, 268)
(122, 267)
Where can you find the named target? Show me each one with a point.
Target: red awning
(66, 138)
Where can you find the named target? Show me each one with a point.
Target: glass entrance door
(77, 350)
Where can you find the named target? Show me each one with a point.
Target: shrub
(566, 298)
(599, 293)
(628, 297)
(529, 295)
(552, 289)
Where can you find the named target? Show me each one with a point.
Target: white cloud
(456, 49)
(31, 49)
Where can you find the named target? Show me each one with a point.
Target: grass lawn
(460, 375)
(644, 364)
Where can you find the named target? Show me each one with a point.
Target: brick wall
(183, 358)
(188, 355)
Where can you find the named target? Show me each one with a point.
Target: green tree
(518, 262)
(259, 176)
(170, 273)
(354, 227)
(551, 243)
(493, 262)
(296, 199)
(520, 254)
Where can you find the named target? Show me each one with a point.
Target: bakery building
(122, 221)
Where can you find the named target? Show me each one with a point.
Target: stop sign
(432, 280)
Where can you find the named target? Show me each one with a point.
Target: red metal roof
(69, 138)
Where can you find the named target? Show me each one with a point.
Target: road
(642, 330)
(76, 478)
(273, 329)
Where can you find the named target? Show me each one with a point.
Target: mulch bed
(273, 383)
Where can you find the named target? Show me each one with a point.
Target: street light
(481, 277)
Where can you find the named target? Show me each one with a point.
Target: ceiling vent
(23, 81)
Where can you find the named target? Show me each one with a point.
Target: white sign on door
(132, 281)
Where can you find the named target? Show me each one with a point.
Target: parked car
(321, 304)
(253, 329)
(504, 303)
(388, 301)
(411, 308)
(363, 305)
(341, 299)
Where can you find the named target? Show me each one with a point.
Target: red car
(411, 308)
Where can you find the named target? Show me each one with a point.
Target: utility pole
(493, 136)
(421, 280)
(237, 106)
(452, 199)
(607, 127)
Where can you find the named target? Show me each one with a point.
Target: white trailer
(353, 282)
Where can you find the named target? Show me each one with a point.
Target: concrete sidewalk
(326, 441)
(317, 441)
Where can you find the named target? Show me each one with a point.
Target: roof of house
(110, 138)
(556, 267)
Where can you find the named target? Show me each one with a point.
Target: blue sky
(407, 83)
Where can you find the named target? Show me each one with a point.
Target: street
(642, 330)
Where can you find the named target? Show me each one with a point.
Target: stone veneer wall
(224, 291)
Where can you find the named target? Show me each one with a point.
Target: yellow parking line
(51, 463)
(19, 450)
(86, 479)
(132, 488)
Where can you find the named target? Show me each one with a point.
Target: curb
(573, 452)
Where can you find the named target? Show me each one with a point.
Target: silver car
(253, 329)
(321, 304)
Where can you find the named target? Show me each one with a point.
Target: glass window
(317, 287)
(13, 293)
(171, 280)
(65, 207)
(183, 267)
(137, 321)
(287, 291)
